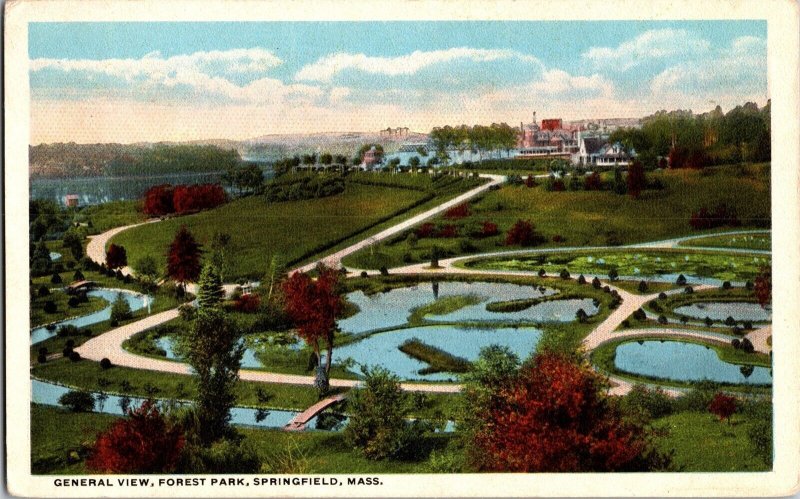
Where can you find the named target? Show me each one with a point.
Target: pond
(681, 361)
(664, 266)
(382, 348)
(249, 359)
(719, 311)
(135, 300)
(390, 309)
(54, 257)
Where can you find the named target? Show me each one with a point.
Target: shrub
(564, 274)
(523, 233)
(747, 346)
(639, 314)
(489, 229)
(723, 406)
(78, 276)
(74, 356)
(662, 295)
(596, 284)
(581, 279)
(364, 274)
(662, 319)
(730, 321)
(689, 290)
(708, 219)
(747, 325)
(77, 401)
(613, 274)
(749, 285)
(457, 212)
(558, 238)
(684, 319)
(105, 363)
(120, 309)
(649, 403)
(642, 287)
(73, 301)
(542, 273)
(43, 290)
(68, 330)
(426, 230)
(50, 307)
(726, 285)
(56, 279)
(41, 358)
(681, 280)
(736, 343)
(249, 303)
(384, 270)
(708, 322)
(581, 315)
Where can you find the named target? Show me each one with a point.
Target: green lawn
(57, 433)
(630, 262)
(63, 310)
(652, 286)
(743, 241)
(113, 214)
(592, 218)
(295, 230)
(86, 375)
(702, 443)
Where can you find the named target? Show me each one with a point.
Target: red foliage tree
(158, 200)
(116, 256)
(763, 286)
(530, 181)
(183, 258)
(553, 417)
(636, 179)
(523, 233)
(489, 229)
(191, 198)
(593, 182)
(426, 230)
(723, 406)
(248, 303)
(313, 306)
(144, 442)
(457, 212)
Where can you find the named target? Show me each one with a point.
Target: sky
(131, 82)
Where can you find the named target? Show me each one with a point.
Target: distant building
(71, 200)
(596, 151)
(551, 139)
(554, 124)
(371, 158)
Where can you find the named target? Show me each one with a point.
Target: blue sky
(178, 81)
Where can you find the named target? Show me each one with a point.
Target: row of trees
(478, 138)
(691, 140)
(166, 199)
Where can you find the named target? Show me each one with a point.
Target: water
(680, 361)
(719, 311)
(55, 256)
(382, 348)
(135, 300)
(98, 190)
(383, 310)
(550, 311)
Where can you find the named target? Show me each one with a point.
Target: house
(596, 151)
(71, 200)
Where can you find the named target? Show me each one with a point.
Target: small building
(71, 200)
(79, 286)
(371, 158)
(596, 151)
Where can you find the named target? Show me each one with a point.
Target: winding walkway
(109, 344)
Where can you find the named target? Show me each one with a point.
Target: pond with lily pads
(685, 362)
(720, 311)
(661, 265)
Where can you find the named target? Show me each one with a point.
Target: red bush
(530, 181)
(248, 303)
(116, 257)
(489, 229)
(190, 198)
(593, 182)
(457, 212)
(553, 417)
(522, 233)
(636, 179)
(426, 230)
(723, 406)
(763, 286)
(158, 200)
(721, 216)
(558, 238)
(558, 185)
(144, 442)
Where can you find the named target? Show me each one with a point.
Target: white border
(783, 22)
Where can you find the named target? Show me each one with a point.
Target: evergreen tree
(40, 262)
(210, 293)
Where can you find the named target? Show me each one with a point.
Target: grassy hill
(592, 218)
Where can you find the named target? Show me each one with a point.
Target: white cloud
(652, 44)
(325, 68)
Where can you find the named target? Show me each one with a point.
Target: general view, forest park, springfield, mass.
(548, 296)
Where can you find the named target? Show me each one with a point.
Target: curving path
(109, 345)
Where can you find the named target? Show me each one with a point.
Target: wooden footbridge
(300, 421)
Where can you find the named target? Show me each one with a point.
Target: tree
(636, 180)
(219, 245)
(274, 273)
(158, 200)
(723, 406)
(116, 257)
(378, 427)
(326, 158)
(523, 233)
(146, 268)
(183, 258)
(215, 354)
(77, 401)
(313, 306)
(73, 241)
(143, 442)
(552, 416)
(763, 287)
(41, 263)
(120, 309)
(210, 292)
(414, 162)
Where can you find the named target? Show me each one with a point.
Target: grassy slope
(114, 214)
(592, 218)
(63, 310)
(259, 229)
(702, 443)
